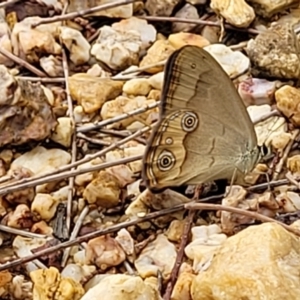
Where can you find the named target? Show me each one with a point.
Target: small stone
(119, 11)
(97, 71)
(147, 31)
(85, 178)
(293, 164)
(158, 52)
(104, 252)
(41, 160)
(159, 255)
(235, 198)
(280, 141)
(42, 228)
(79, 273)
(63, 132)
(91, 92)
(155, 95)
(48, 284)
(163, 8)
(44, 206)
(188, 11)
(117, 49)
(126, 241)
(257, 91)
(163, 200)
(260, 262)
(156, 81)
(121, 286)
(236, 12)
(22, 100)
(182, 286)
(123, 105)
(134, 150)
(205, 241)
(21, 217)
(52, 66)
(32, 42)
(180, 39)
(104, 190)
(23, 196)
(175, 230)
(274, 52)
(288, 201)
(78, 46)
(268, 129)
(234, 63)
(268, 8)
(137, 86)
(288, 102)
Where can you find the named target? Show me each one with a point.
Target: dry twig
(82, 13)
(254, 215)
(180, 255)
(22, 63)
(97, 233)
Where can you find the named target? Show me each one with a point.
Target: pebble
(162, 8)
(103, 190)
(268, 8)
(288, 102)
(236, 12)
(234, 63)
(92, 92)
(119, 11)
(118, 49)
(252, 259)
(274, 52)
(158, 52)
(121, 286)
(104, 252)
(157, 256)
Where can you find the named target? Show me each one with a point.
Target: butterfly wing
(204, 132)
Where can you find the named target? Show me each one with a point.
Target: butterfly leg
(198, 191)
(231, 183)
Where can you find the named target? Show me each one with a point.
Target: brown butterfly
(204, 132)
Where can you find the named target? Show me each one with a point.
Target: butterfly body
(204, 132)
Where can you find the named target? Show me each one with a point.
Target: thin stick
(74, 234)
(180, 255)
(141, 69)
(82, 13)
(41, 79)
(124, 133)
(92, 140)
(22, 63)
(74, 148)
(254, 215)
(285, 154)
(21, 232)
(197, 21)
(97, 233)
(267, 185)
(31, 182)
(52, 176)
(86, 128)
